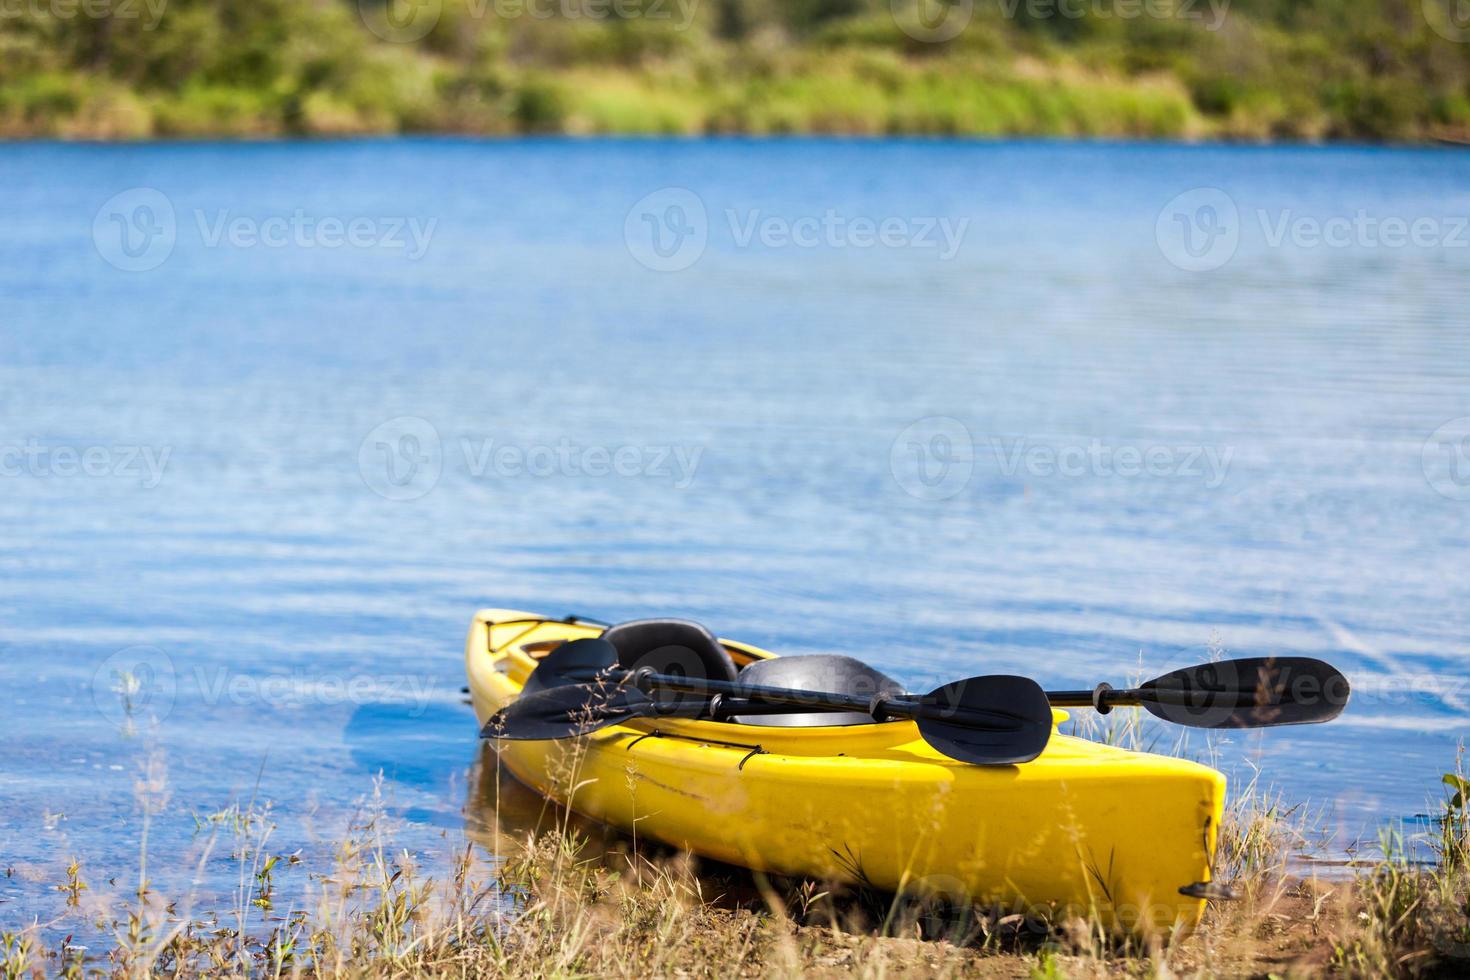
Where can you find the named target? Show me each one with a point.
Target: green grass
(1326, 69)
(1411, 919)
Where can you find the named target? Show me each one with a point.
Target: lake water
(276, 419)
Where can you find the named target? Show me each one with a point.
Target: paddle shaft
(760, 700)
(1105, 698)
(879, 707)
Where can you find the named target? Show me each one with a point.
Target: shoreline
(530, 889)
(977, 140)
(571, 898)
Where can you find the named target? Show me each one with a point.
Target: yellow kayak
(1085, 829)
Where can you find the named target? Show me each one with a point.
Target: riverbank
(566, 900)
(1257, 70)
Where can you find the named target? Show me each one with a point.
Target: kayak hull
(1086, 829)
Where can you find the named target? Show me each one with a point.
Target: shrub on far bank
(1258, 69)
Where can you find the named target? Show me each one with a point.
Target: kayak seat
(817, 672)
(671, 646)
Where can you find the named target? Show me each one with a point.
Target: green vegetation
(1247, 69)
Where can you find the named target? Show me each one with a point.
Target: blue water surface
(1080, 411)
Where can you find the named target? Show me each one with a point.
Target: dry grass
(569, 900)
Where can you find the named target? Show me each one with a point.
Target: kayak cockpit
(684, 648)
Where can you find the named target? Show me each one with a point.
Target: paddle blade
(571, 663)
(1254, 692)
(567, 711)
(996, 720)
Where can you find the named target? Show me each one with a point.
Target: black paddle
(986, 720)
(994, 720)
(1253, 692)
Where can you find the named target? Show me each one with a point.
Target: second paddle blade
(567, 711)
(996, 720)
(573, 661)
(1254, 692)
